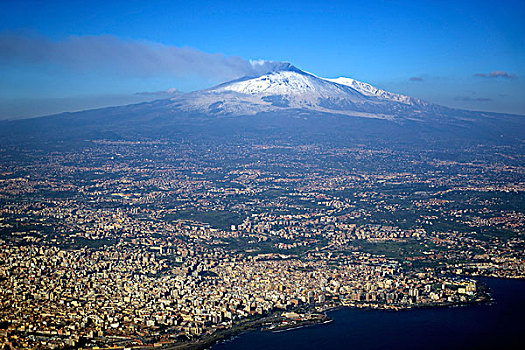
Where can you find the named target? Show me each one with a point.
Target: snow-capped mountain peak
(287, 87)
(286, 81)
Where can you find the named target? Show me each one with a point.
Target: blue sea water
(500, 325)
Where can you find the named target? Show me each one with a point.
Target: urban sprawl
(120, 244)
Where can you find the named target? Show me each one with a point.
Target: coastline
(275, 322)
(468, 324)
(207, 342)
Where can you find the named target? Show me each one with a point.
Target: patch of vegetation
(220, 219)
(395, 250)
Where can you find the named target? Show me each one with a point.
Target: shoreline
(315, 315)
(224, 334)
(208, 342)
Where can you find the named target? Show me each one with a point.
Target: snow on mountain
(369, 90)
(286, 87)
(286, 82)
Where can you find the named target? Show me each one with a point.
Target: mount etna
(283, 102)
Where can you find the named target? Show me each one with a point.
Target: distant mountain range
(274, 101)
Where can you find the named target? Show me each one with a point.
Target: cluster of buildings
(122, 244)
(136, 295)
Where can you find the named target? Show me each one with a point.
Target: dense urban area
(136, 244)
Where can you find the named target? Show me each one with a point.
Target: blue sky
(68, 55)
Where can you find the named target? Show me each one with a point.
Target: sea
(496, 325)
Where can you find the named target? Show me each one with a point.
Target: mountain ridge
(290, 87)
(282, 100)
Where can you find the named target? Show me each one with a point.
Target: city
(102, 249)
(262, 175)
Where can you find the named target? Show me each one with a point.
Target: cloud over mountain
(135, 58)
